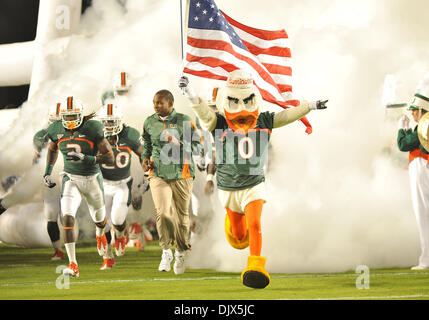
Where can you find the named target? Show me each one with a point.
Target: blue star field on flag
(204, 14)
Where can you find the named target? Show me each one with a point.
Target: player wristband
(210, 177)
(48, 169)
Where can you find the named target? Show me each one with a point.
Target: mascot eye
(249, 101)
(233, 103)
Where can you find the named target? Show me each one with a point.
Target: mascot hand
(318, 105)
(183, 82)
(187, 90)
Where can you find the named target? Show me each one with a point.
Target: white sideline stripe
(211, 278)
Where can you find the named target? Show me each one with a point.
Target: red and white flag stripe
(211, 54)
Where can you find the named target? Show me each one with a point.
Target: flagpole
(181, 28)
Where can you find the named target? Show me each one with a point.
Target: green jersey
(82, 140)
(170, 162)
(40, 139)
(128, 140)
(240, 157)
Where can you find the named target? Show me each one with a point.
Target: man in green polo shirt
(167, 153)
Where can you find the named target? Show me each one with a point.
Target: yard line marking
(211, 278)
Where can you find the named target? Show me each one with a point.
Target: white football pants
(419, 181)
(118, 199)
(76, 187)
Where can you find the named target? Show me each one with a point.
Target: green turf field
(30, 274)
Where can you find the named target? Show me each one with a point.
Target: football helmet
(54, 113)
(240, 101)
(122, 83)
(110, 116)
(212, 96)
(71, 113)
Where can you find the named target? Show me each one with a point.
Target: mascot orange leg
(236, 229)
(255, 275)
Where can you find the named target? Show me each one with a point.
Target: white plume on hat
(421, 97)
(423, 86)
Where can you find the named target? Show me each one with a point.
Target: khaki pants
(171, 199)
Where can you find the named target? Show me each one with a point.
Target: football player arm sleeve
(105, 152)
(290, 115)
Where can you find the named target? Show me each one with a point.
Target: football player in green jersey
(242, 136)
(51, 197)
(117, 179)
(122, 84)
(83, 146)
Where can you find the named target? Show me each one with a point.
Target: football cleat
(135, 230)
(108, 264)
(139, 245)
(233, 241)
(166, 259)
(255, 276)
(102, 245)
(179, 262)
(120, 246)
(72, 270)
(58, 255)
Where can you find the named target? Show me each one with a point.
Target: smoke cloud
(339, 197)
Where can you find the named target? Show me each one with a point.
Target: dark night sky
(18, 22)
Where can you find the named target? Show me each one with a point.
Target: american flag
(218, 45)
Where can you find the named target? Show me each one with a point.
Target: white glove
(187, 90)
(48, 182)
(74, 156)
(200, 161)
(404, 123)
(319, 104)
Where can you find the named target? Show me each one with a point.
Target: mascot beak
(243, 120)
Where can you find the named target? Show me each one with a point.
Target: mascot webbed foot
(255, 276)
(233, 241)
